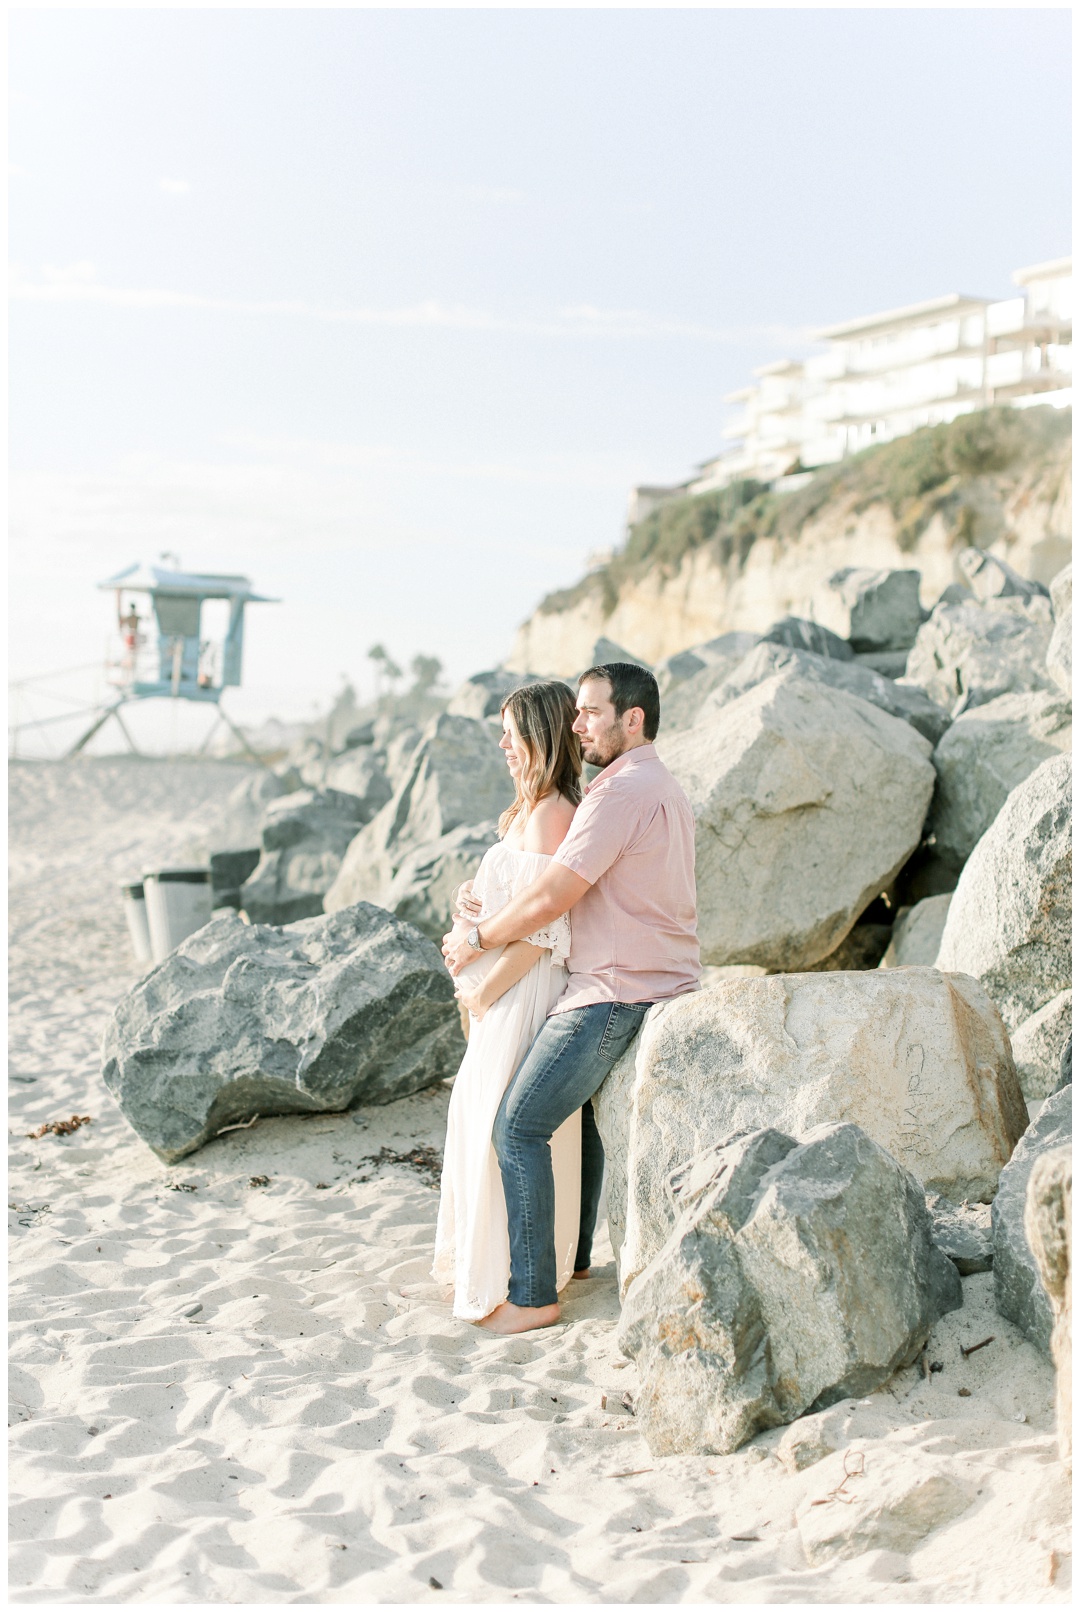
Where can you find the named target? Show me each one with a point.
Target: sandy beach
(232, 1380)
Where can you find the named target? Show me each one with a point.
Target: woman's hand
(471, 999)
(466, 905)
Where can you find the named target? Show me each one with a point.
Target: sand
(320, 1429)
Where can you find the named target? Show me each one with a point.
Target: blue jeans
(568, 1061)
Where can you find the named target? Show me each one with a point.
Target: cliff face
(744, 557)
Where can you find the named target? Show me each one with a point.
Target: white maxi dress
(472, 1246)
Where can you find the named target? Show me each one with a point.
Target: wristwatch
(473, 937)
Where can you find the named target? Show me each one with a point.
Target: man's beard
(607, 748)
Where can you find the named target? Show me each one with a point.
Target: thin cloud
(588, 322)
(175, 187)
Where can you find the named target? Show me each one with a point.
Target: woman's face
(513, 746)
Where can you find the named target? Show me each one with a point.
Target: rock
(228, 870)
(482, 695)
(1059, 653)
(683, 704)
(862, 947)
(606, 650)
(457, 775)
(962, 1232)
(796, 1275)
(916, 934)
(812, 1438)
(242, 1019)
(358, 773)
(875, 1498)
(304, 838)
(239, 825)
(362, 734)
(423, 887)
(991, 578)
(911, 705)
(397, 751)
(808, 801)
(727, 650)
(1048, 1223)
(1018, 1291)
(976, 651)
(891, 663)
(1039, 1045)
(795, 633)
(1065, 1068)
(875, 610)
(916, 1058)
(983, 756)
(1009, 921)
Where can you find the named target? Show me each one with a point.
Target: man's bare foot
(582, 1276)
(506, 1319)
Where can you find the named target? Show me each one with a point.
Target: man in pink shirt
(626, 867)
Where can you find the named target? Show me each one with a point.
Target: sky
(389, 309)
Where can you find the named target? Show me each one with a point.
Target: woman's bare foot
(582, 1276)
(506, 1319)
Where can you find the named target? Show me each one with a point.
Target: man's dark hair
(630, 685)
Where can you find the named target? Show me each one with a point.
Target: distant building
(887, 375)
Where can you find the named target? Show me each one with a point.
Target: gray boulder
(1010, 920)
(991, 578)
(797, 1275)
(918, 1059)
(683, 704)
(482, 694)
(962, 1232)
(606, 650)
(423, 887)
(911, 705)
(875, 610)
(1018, 1292)
(808, 801)
(359, 773)
(796, 633)
(305, 836)
(974, 652)
(228, 870)
(456, 775)
(727, 650)
(983, 756)
(396, 751)
(239, 824)
(916, 935)
(242, 1020)
(1038, 1046)
(1059, 653)
(1048, 1225)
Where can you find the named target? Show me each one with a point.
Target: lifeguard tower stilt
(171, 659)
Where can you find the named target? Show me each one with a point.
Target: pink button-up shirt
(633, 936)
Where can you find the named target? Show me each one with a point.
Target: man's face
(604, 736)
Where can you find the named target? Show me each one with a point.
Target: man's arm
(552, 894)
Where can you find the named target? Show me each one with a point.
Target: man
(626, 868)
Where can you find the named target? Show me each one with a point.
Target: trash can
(134, 898)
(178, 901)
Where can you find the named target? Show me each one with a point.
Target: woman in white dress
(509, 992)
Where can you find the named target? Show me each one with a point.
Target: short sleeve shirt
(634, 933)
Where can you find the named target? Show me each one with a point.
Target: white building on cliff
(887, 375)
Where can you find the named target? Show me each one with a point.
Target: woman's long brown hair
(544, 715)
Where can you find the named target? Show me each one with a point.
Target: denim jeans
(568, 1061)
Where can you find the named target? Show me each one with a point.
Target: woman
(509, 993)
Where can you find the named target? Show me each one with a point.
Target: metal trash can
(178, 901)
(134, 898)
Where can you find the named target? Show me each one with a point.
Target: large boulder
(1018, 1291)
(988, 577)
(794, 632)
(797, 1275)
(482, 695)
(1039, 1043)
(808, 801)
(241, 1019)
(304, 839)
(422, 889)
(873, 1497)
(910, 704)
(973, 652)
(916, 936)
(457, 775)
(1048, 1223)
(727, 650)
(918, 1059)
(358, 772)
(1059, 652)
(1009, 922)
(982, 757)
(238, 825)
(874, 610)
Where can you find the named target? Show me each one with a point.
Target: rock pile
(796, 1275)
(974, 652)
(304, 838)
(242, 1019)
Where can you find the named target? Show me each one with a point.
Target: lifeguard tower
(163, 653)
